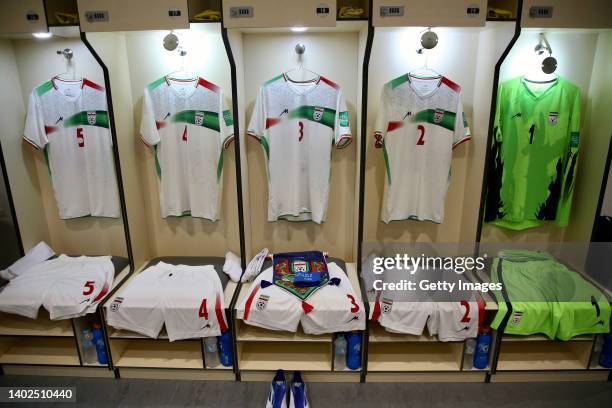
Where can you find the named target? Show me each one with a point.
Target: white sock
(232, 266)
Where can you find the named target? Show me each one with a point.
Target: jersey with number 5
(297, 123)
(419, 122)
(69, 120)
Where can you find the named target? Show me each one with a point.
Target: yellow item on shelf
(208, 15)
(350, 12)
(499, 13)
(66, 18)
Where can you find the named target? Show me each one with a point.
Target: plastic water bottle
(98, 338)
(353, 350)
(483, 344)
(226, 353)
(468, 359)
(605, 358)
(339, 352)
(210, 349)
(89, 349)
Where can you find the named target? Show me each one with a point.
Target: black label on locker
(541, 12)
(241, 12)
(473, 11)
(391, 11)
(32, 16)
(322, 10)
(96, 16)
(174, 13)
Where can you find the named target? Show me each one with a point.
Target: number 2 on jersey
(466, 316)
(421, 140)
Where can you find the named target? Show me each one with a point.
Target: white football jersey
(419, 122)
(187, 122)
(69, 120)
(297, 123)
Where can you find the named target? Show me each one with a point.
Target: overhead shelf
(157, 354)
(286, 356)
(39, 351)
(536, 355)
(426, 356)
(13, 325)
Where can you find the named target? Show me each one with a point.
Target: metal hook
(300, 49)
(66, 52)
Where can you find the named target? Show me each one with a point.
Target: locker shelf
(13, 325)
(288, 356)
(39, 351)
(425, 356)
(543, 355)
(157, 353)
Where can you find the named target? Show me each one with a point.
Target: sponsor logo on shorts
(91, 118)
(438, 115)
(387, 305)
(262, 301)
(116, 303)
(516, 318)
(552, 118)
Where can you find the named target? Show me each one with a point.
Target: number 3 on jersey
(421, 130)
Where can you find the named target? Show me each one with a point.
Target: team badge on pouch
(516, 318)
(91, 118)
(317, 115)
(198, 118)
(552, 118)
(438, 115)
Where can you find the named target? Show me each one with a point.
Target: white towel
(232, 266)
(254, 267)
(39, 253)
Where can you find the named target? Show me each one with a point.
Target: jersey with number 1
(69, 120)
(297, 123)
(417, 129)
(187, 122)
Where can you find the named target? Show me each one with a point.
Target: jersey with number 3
(69, 120)
(297, 124)
(187, 122)
(419, 122)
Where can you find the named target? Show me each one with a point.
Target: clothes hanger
(301, 74)
(182, 74)
(548, 65)
(69, 74)
(429, 40)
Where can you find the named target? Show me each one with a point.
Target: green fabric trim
(276, 78)
(210, 120)
(266, 147)
(44, 88)
(220, 166)
(398, 81)
(157, 166)
(46, 154)
(227, 117)
(82, 119)
(156, 83)
(386, 156)
(327, 116)
(447, 121)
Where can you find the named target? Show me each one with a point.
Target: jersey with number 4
(534, 153)
(297, 123)
(187, 122)
(69, 120)
(419, 122)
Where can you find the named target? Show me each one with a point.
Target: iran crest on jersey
(419, 122)
(297, 123)
(68, 119)
(189, 125)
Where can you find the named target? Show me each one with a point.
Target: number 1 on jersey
(421, 140)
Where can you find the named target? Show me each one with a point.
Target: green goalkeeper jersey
(534, 153)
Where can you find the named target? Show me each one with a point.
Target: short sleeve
(226, 123)
(462, 129)
(34, 132)
(148, 126)
(342, 129)
(380, 126)
(256, 126)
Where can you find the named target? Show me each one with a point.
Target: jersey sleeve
(226, 123)
(34, 132)
(380, 126)
(570, 164)
(342, 130)
(148, 126)
(462, 129)
(256, 127)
